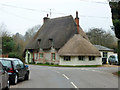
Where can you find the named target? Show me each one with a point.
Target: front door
(104, 60)
(28, 58)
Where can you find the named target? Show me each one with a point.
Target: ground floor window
(67, 58)
(91, 58)
(53, 56)
(35, 56)
(41, 55)
(81, 58)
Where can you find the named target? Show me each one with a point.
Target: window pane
(16, 64)
(53, 56)
(91, 58)
(6, 63)
(105, 54)
(82, 58)
(67, 58)
(41, 55)
(21, 64)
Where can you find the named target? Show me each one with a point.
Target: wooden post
(118, 51)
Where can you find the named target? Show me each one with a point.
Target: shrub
(13, 55)
(47, 63)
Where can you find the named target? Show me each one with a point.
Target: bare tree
(31, 32)
(101, 37)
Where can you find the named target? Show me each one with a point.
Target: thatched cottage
(62, 41)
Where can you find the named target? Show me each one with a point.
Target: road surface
(68, 77)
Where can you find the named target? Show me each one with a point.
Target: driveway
(68, 77)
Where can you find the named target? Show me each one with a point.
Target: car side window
(16, 64)
(21, 63)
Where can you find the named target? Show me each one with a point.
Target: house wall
(30, 57)
(74, 61)
(109, 53)
(47, 56)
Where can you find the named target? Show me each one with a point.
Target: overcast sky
(20, 15)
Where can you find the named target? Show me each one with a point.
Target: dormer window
(51, 42)
(39, 40)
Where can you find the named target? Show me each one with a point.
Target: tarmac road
(68, 77)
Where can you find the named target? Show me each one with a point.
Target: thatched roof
(60, 30)
(78, 46)
(102, 48)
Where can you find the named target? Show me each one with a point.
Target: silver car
(113, 59)
(4, 78)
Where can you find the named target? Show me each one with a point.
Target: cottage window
(81, 58)
(41, 55)
(53, 56)
(91, 58)
(105, 54)
(67, 58)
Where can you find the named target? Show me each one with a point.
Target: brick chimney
(77, 21)
(45, 19)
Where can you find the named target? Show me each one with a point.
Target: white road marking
(65, 76)
(74, 85)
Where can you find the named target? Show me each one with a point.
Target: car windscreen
(111, 57)
(6, 63)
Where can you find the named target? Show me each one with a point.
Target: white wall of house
(75, 61)
(30, 57)
(109, 53)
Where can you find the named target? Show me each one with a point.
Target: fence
(4, 56)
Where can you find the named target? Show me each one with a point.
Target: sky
(20, 15)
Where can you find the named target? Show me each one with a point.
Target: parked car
(113, 59)
(16, 69)
(4, 78)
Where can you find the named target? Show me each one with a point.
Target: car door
(17, 68)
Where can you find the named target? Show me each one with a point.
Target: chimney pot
(45, 19)
(76, 14)
(77, 21)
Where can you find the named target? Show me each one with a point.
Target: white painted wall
(109, 53)
(26, 57)
(74, 61)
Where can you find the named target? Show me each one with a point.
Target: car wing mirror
(26, 66)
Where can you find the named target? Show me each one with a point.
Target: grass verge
(117, 73)
(54, 65)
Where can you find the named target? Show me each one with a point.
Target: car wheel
(15, 80)
(116, 62)
(26, 76)
(109, 62)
